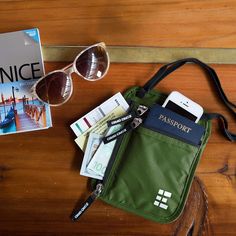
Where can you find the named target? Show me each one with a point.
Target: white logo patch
(162, 198)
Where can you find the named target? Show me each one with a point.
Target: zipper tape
(77, 213)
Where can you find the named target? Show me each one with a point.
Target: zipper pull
(141, 110)
(133, 125)
(77, 213)
(131, 115)
(136, 122)
(121, 119)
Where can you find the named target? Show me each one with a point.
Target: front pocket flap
(152, 179)
(170, 123)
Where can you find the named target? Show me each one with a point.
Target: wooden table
(39, 171)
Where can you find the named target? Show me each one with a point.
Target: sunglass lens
(55, 88)
(93, 63)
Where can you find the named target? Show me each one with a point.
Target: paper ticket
(97, 114)
(100, 127)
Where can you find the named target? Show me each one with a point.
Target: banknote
(94, 141)
(100, 127)
(100, 159)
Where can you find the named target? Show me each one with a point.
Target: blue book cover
(21, 65)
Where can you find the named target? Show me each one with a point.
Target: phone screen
(174, 107)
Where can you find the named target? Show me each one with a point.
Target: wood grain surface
(39, 171)
(163, 23)
(40, 182)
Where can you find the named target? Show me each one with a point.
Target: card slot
(164, 133)
(160, 136)
(169, 123)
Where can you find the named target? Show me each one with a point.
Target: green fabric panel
(148, 161)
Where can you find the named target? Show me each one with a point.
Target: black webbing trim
(161, 74)
(224, 122)
(168, 68)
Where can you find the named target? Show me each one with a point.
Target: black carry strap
(228, 134)
(168, 68)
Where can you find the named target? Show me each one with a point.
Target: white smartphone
(184, 106)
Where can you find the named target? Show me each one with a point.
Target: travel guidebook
(21, 65)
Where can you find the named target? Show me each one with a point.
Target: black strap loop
(224, 122)
(168, 68)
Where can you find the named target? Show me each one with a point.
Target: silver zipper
(136, 121)
(130, 116)
(98, 190)
(141, 110)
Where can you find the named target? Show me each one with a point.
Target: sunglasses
(56, 87)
